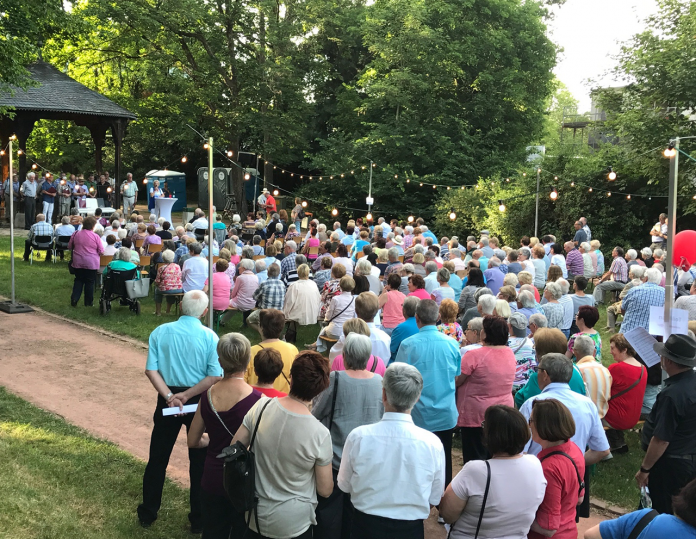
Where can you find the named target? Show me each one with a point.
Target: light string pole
(211, 238)
(536, 215)
(673, 153)
(370, 200)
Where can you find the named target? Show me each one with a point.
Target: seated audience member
(416, 287)
(271, 324)
(454, 281)
(526, 304)
(596, 376)
(110, 249)
(563, 463)
(448, 321)
(366, 308)
(343, 258)
(553, 310)
(121, 261)
(407, 328)
(165, 233)
(546, 341)
(486, 379)
(167, 281)
(393, 496)
(482, 308)
(579, 297)
(302, 299)
(260, 270)
(195, 269)
(472, 336)
(502, 309)
(268, 366)
(636, 274)
(288, 481)
(341, 308)
(151, 239)
(374, 364)
(365, 269)
(221, 286)
(508, 474)
(523, 348)
(648, 524)
(629, 378)
(536, 321)
(323, 274)
(585, 320)
(220, 412)
(444, 290)
(353, 399)
(391, 302)
(331, 288)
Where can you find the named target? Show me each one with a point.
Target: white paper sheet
(680, 322)
(642, 342)
(188, 409)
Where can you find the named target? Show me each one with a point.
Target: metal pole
(211, 238)
(12, 261)
(256, 184)
(671, 231)
(536, 216)
(369, 193)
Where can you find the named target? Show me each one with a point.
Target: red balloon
(684, 253)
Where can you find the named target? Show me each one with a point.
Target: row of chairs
(48, 243)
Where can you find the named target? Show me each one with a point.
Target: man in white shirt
(201, 222)
(195, 269)
(393, 496)
(431, 277)
(659, 233)
(366, 307)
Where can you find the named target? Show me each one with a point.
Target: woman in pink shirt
(246, 283)
(374, 364)
(312, 241)
(86, 249)
(391, 301)
(487, 376)
(221, 286)
(152, 238)
(416, 287)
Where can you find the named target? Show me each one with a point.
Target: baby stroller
(122, 285)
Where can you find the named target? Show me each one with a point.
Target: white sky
(590, 33)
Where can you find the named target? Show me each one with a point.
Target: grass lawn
(57, 482)
(49, 286)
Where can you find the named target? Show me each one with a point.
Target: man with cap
(261, 200)
(669, 433)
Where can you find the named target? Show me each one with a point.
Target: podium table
(163, 208)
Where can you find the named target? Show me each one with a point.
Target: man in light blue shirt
(431, 277)
(337, 230)
(129, 190)
(182, 363)
(553, 374)
(437, 358)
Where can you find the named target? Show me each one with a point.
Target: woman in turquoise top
(547, 341)
(121, 261)
(359, 244)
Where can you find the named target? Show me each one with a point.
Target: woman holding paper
(220, 413)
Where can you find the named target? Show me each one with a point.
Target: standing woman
(312, 241)
(297, 211)
(288, 481)
(86, 249)
(155, 192)
(486, 380)
(220, 413)
(391, 301)
(563, 463)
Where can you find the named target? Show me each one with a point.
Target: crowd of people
(435, 339)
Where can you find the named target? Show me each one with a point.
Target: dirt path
(97, 382)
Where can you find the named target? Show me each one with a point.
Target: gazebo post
(98, 133)
(117, 130)
(25, 126)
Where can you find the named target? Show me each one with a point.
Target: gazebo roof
(57, 93)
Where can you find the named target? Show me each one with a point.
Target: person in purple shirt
(86, 249)
(493, 276)
(574, 261)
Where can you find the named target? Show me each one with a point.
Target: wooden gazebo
(59, 97)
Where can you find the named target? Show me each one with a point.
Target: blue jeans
(566, 332)
(298, 226)
(649, 398)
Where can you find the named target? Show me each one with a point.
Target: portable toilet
(176, 183)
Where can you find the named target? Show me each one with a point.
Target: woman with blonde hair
(360, 327)
(502, 309)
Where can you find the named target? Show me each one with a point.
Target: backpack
(239, 476)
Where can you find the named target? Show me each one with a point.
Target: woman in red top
(628, 380)
(564, 467)
(268, 365)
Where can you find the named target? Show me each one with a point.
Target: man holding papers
(182, 363)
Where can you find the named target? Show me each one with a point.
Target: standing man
(575, 264)
(129, 191)
(261, 200)
(659, 233)
(48, 196)
(8, 193)
(669, 433)
(182, 363)
(29, 190)
(64, 193)
(583, 221)
(393, 496)
(102, 189)
(80, 193)
(615, 278)
(270, 203)
(580, 234)
(437, 358)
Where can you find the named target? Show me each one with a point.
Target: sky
(590, 33)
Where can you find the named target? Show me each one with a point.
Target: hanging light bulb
(62, 182)
(448, 187)
(507, 179)
(331, 177)
(342, 175)
(321, 178)
(501, 206)
(145, 181)
(410, 217)
(91, 189)
(421, 184)
(310, 177)
(670, 151)
(463, 187)
(34, 166)
(524, 174)
(452, 215)
(434, 186)
(184, 159)
(276, 192)
(2, 152)
(304, 203)
(334, 212)
(590, 189)
(628, 197)
(291, 175)
(396, 176)
(206, 146)
(609, 194)
(368, 217)
(363, 167)
(374, 165)
(48, 174)
(612, 175)
(555, 178)
(274, 167)
(408, 180)
(20, 151)
(572, 184)
(230, 153)
(352, 172)
(554, 194)
(247, 176)
(108, 189)
(694, 197)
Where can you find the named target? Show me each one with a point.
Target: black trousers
(446, 439)
(220, 519)
(472, 444)
(29, 212)
(372, 527)
(666, 479)
(84, 278)
(334, 514)
(164, 435)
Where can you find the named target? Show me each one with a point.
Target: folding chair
(200, 233)
(154, 248)
(139, 243)
(41, 243)
(61, 244)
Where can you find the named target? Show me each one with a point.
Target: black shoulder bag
(239, 475)
(581, 483)
(483, 505)
(333, 400)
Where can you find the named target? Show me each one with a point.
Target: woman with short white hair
(553, 310)
(302, 299)
(366, 269)
(167, 282)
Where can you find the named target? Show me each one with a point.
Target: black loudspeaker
(220, 181)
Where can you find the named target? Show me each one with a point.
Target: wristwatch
(169, 396)
(643, 470)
